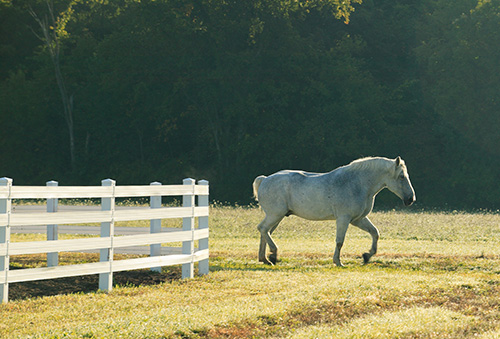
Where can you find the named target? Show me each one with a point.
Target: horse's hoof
(366, 258)
(338, 264)
(266, 262)
(273, 259)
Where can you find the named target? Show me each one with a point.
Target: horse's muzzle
(410, 200)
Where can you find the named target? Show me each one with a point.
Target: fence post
(107, 230)
(155, 227)
(5, 208)
(52, 232)
(188, 225)
(203, 266)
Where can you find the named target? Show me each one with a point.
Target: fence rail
(107, 242)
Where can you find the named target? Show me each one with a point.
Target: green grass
(436, 276)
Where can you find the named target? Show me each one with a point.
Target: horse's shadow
(282, 265)
(305, 264)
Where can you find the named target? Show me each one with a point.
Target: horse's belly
(311, 205)
(312, 213)
(316, 217)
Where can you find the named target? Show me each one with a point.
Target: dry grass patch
(248, 302)
(436, 275)
(429, 322)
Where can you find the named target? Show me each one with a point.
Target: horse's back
(290, 179)
(295, 192)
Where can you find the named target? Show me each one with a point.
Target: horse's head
(399, 182)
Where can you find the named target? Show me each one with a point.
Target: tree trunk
(51, 40)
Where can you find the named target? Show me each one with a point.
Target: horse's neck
(375, 180)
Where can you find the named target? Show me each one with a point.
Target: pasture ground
(437, 275)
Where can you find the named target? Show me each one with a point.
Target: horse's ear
(398, 161)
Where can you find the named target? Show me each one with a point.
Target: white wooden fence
(107, 242)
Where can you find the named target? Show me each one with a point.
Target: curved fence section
(192, 209)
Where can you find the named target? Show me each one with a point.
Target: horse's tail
(256, 184)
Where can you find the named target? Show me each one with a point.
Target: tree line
(226, 90)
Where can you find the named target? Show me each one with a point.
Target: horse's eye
(401, 176)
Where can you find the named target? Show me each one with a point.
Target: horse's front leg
(342, 225)
(366, 225)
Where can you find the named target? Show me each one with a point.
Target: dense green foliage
(226, 90)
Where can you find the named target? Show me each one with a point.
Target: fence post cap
(108, 182)
(155, 183)
(52, 183)
(188, 181)
(5, 181)
(203, 182)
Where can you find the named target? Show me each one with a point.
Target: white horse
(345, 194)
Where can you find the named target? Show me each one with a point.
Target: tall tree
(52, 31)
(459, 62)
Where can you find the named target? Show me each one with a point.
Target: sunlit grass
(436, 275)
(426, 322)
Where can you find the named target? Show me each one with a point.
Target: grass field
(437, 275)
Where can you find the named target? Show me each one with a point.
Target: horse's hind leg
(366, 225)
(342, 225)
(266, 227)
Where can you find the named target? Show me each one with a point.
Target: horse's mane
(371, 163)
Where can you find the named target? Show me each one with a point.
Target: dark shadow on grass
(89, 283)
(283, 265)
(249, 267)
